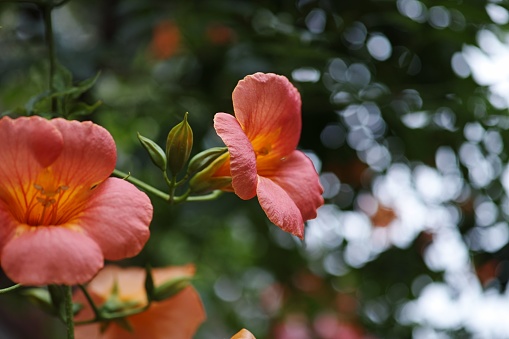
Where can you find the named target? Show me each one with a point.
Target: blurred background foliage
(401, 117)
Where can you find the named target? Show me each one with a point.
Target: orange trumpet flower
(177, 317)
(262, 138)
(60, 213)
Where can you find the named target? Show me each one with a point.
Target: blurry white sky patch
(488, 62)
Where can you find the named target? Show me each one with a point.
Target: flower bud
(170, 288)
(155, 152)
(204, 159)
(178, 146)
(205, 181)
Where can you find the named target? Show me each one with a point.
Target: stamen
(262, 151)
(48, 199)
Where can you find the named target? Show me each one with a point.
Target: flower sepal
(170, 288)
(203, 159)
(204, 181)
(121, 322)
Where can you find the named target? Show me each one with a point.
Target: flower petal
(244, 334)
(177, 317)
(51, 255)
(268, 106)
(88, 156)
(28, 145)
(298, 177)
(117, 217)
(242, 156)
(279, 207)
(7, 226)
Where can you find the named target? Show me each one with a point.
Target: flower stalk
(10, 288)
(47, 8)
(68, 311)
(141, 184)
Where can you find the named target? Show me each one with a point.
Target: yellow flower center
(268, 157)
(43, 210)
(45, 201)
(263, 151)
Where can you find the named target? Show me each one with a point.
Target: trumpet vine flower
(262, 138)
(177, 317)
(60, 213)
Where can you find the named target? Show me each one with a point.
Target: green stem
(69, 312)
(144, 186)
(182, 198)
(207, 197)
(11, 288)
(90, 302)
(182, 181)
(172, 185)
(50, 41)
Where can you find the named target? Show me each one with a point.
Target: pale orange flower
(175, 318)
(60, 213)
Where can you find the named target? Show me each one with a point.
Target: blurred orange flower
(219, 34)
(243, 334)
(177, 317)
(165, 40)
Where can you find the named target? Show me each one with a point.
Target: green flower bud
(178, 146)
(155, 152)
(204, 181)
(204, 159)
(170, 288)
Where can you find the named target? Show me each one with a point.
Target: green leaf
(41, 297)
(85, 85)
(62, 79)
(35, 101)
(73, 92)
(57, 299)
(82, 109)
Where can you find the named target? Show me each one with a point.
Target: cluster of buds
(202, 167)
